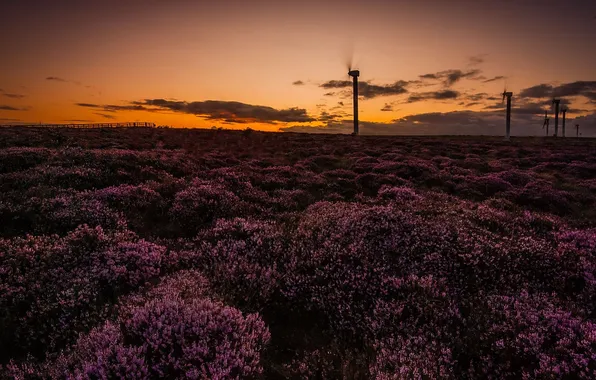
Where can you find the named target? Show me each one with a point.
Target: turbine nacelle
(354, 73)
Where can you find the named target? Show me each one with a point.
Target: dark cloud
(133, 106)
(10, 108)
(450, 77)
(477, 59)
(105, 116)
(11, 96)
(56, 79)
(473, 104)
(337, 84)
(329, 94)
(476, 97)
(538, 91)
(340, 104)
(494, 79)
(328, 117)
(433, 95)
(387, 108)
(235, 112)
(88, 105)
(578, 88)
(368, 90)
(490, 123)
(298, 83)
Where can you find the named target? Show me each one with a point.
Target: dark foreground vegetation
(158, 253)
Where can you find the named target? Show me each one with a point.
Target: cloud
(387, 108)
(78, 121)
(450, 77)
(329, 94)
(433, 95)
(11, 108)
(328, 117)
(337, 84)
(578, 88)
(476, 97)
(477, 59)
(11, 96)
(56, 79)
(368, 90)
(229, 111)
(298, 83)
(105, 116)
(133, 106)
(450, 123)
(88, 105)
(493, 79)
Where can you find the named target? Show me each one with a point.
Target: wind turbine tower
(508, 95)
(556, 102)
(355, 74)
(546, 122)
(564, 110)
(576, 130)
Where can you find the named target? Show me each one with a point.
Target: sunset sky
(427, 66)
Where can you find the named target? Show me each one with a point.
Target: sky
(427, 66)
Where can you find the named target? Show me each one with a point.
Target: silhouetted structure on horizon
(564, 110)
(556, 103)
(355, 74)
(546, 122)
(87, 125)
(508, 95)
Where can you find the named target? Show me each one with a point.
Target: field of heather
(206, 254)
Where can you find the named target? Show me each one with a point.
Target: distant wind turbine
(355, 74)
(564, 110)
(546, 122)
(508, 95)
(556, 103)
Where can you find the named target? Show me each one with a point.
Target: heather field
(208, 254)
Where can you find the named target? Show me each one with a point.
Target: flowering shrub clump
(173, 331)
(245, 260)
(529, 336)
(200, 204)
(53, 288)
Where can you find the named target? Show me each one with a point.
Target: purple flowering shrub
(201, 203)
(364, 257)
(529, 336)
(171, 331)
(16, 159)
(53, 288)
(244, 259)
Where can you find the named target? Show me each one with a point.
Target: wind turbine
(556, 103)
(546, 122)
(564, 110)
(355, 74)
(507, 95)
(576, 130)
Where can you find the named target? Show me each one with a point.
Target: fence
(87, 125)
